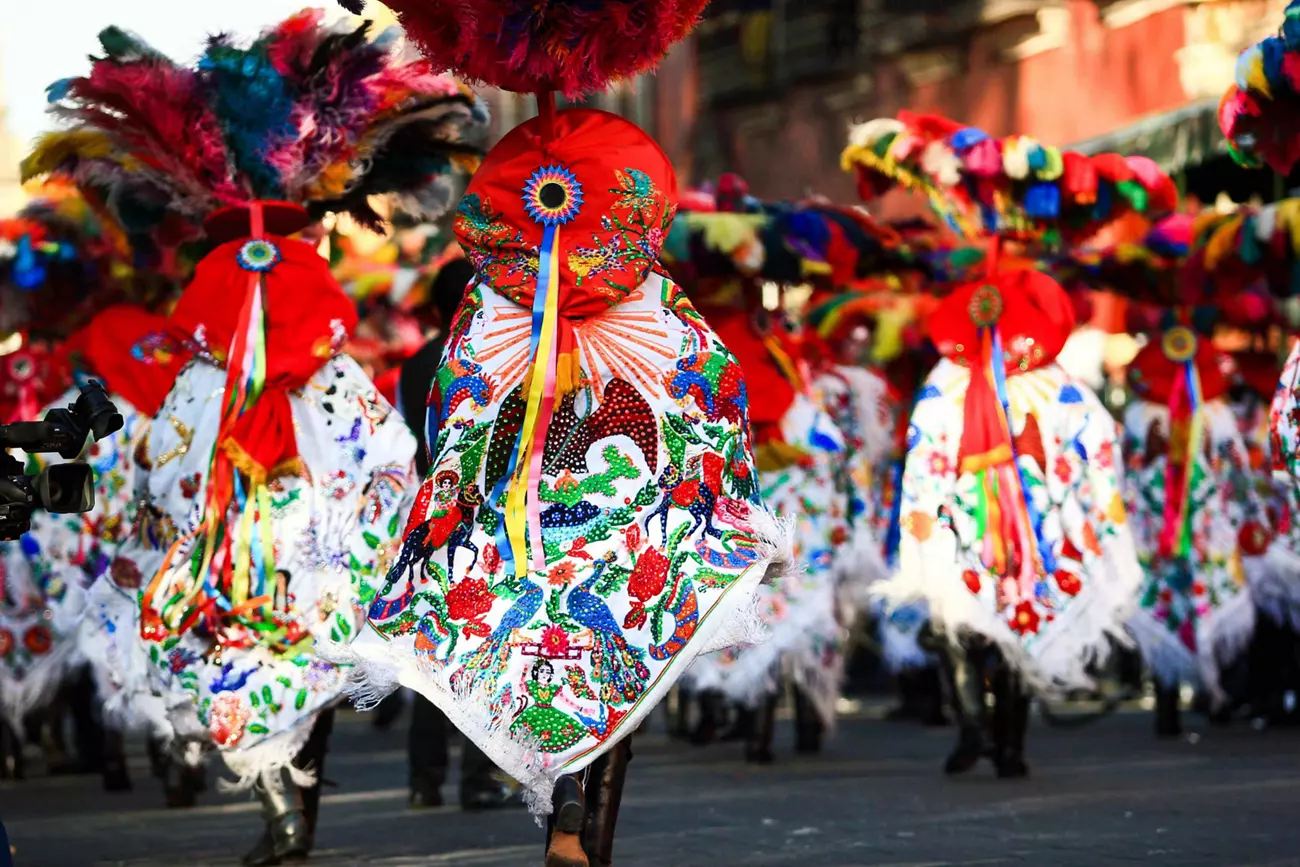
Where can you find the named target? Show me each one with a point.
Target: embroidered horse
(697, 493)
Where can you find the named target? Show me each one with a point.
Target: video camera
(61, 488)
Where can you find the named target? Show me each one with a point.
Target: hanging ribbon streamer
(243, 563)
(1186, 435)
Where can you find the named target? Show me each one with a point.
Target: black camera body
(61, 488)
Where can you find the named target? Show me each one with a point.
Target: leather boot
(758, 746)
(706, 729)
(564, 827)
(808, 725)
(604, 793)
(743, 720)
(679, 714)
(1010, 719)
(312, 758)
(181, 783)
(286, 837)
(967, 688)
(426, 753)
(11, 753)
(1168, 724)
(58, 761)
(116, 776)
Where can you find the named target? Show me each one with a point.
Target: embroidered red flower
(491, 558)
(125, 574)
(227, 718)
(1253, 539)
(470, 599)
(1025, 619)
(555, 642)
(38, 639)
(632, 537)
(636, 617)
(1062, 468)
(1068, 582)
(939, 464)
(561, 574)
(578, 548)
(972, 579)
(649, 575)
(1106, 455)
(6, 642)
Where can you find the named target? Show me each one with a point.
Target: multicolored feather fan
(321, 115)
(571, 47)
(1260, 113)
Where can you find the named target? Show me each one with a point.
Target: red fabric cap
(1079, 178)
(1259, 371)
(308, 318)
(619, 194)
(1153, 373)
(1036, 318)
(125, 347)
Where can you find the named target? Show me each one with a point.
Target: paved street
(1107, 793)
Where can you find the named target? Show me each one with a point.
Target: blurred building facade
(771, 87)
(11, 191)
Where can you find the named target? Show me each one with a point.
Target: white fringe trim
(19, 697)
(376, 670)
(1275, 583)
(267, 758)
(1058, 660)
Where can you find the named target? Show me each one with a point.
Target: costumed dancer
(1196, 518)
(803, 475)
(591, 521)
(271, 509)
(1013, 524)
(57, 255)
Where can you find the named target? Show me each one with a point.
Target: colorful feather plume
(324, 116)
(1260, 113)
(55, 254)
(571, 47)
(1013, 186)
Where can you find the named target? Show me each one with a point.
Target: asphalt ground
(1104, 793)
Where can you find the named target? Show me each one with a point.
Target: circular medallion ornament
(258, 256)
(985, 306)
(21, 367)
(1179, 344)
(38, 639)
(552, 196)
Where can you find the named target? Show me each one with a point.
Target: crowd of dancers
(572, 441)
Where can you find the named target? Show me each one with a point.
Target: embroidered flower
(38, 639)
(919, 524)
(6, 643)
(632, 537)
(1061, 466)
(939, 464)
(555, 641)
(1025, 620)
(124, 573)
(491, 558)
(227, 718)
(1068, 582)
(469, 599)
(972, 580)
(561, 574)
(649, 575)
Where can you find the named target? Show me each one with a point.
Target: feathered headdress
(1260, 113)
(984, 185)
(321, 116)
